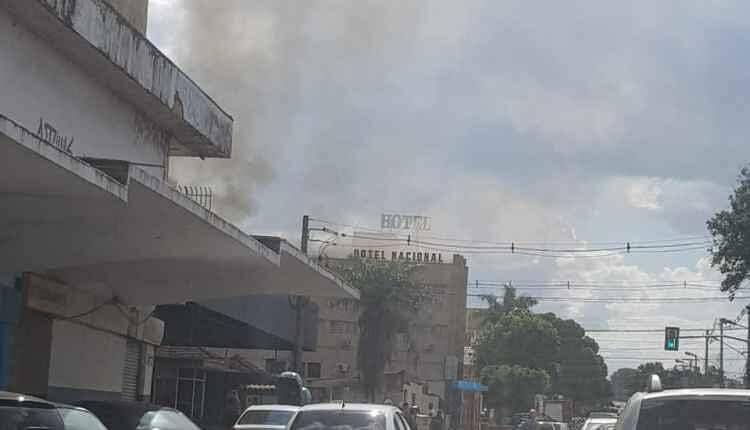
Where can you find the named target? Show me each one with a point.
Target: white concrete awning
(143, 241)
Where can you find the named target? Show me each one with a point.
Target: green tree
(517, 337)
(389, 298)
(513, 387)
(578, 371)
(620, 379)
(730, 229)
(511, 301)
(638, 381)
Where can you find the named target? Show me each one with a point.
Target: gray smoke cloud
(254, 58)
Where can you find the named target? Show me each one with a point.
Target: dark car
(21, 412)
(123, 415)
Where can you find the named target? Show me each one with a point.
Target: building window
(312, 370)
(191, 390)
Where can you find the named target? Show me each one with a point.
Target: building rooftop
(94, 36)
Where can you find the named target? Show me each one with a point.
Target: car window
(15, 417)
(339, 420)
(268, 417)
(75, 419)
(657, 414)
(164, 419)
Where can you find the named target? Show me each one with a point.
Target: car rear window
(339, 420)
(75, 419)
(20, 416)
(261, 417)
(657, 414)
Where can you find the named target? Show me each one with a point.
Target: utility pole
(747, 358)
(305, 233)
(721, 352)
(299, 305)
(708, 338)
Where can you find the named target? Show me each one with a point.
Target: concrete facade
(429, 354)
(89, 246)
(48, 94)
(134, 11)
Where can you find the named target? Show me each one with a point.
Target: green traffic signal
(672, 338)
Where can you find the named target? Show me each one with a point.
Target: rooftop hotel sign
(405, 222)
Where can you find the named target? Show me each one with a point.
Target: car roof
(289, 408)
(6, 395)
(67, 406)
(702, 393)
(124, 404)
(348, 406)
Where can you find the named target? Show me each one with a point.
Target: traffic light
(672, 338)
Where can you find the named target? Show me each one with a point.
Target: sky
(579, 122)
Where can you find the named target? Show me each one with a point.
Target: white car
(691, 409)
(349, 416)
(596, 423)
(266, 417)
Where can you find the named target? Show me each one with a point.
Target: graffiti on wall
(49, 133)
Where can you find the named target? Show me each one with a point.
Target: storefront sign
(416, 256)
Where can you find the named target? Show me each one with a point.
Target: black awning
(194, 325)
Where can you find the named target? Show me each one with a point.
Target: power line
(703, 238)
(663, 300)
(513, 248)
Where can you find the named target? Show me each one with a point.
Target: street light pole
(721, 353)
(708, 338)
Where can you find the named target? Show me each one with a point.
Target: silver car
(349, 416)
(266, 417)
(686, 409)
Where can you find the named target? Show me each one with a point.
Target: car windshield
(267, 417)
(339, 420)
(695, 415)
(30, 416)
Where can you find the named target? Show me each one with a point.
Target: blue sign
(469, 386)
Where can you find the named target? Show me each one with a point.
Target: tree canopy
(389, 298)
(730, 229)
(522, 343)
(512, 386)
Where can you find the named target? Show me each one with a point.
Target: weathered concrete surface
(95, 37)
(135, 11)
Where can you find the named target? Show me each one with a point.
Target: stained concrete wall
(49, 95)
(135, 11)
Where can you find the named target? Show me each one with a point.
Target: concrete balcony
(136, 239)
(99, 40)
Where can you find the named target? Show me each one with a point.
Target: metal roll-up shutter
(130, 372)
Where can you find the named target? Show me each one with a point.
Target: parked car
(598, 423)
(692, 408)
(21, 412)
(123, 415)
(78, 418)
(342, 415)
(552, 425)
(269, 417)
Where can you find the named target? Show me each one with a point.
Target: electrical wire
(490, 242)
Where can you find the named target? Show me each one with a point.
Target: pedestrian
(232, 408)
(532, 423)
(436, 422)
